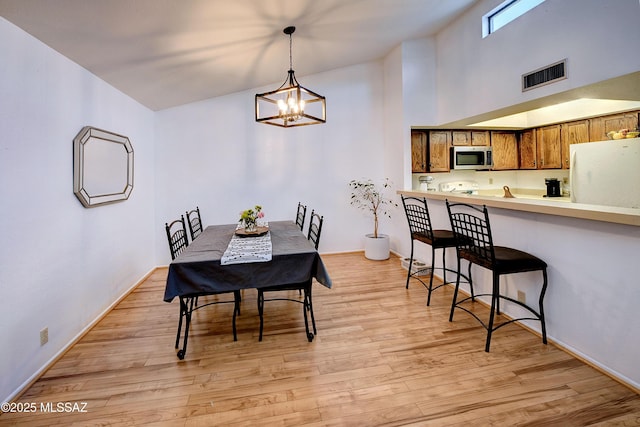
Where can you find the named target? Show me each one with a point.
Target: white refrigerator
(606, 173)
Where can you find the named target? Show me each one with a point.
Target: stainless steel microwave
(468, 157)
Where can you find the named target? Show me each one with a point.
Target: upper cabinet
(418, 151)
(600, 126)
(480, 137)
(468, 137)
(505, 150)
(439, 143)
(548, 144)
(461, 137)
(527, 149)
(430, 150)
(573, 133)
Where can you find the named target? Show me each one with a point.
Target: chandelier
(291, 104)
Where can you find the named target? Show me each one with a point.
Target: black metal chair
(474, 243)
(304, 288)
(178, 242)
(194, 221)
(301, 215)
(177, 237)
(420, 228)
(315, 228)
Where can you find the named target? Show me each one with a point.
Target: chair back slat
(300, 215)
(195, 222)
(472, 231)
(315, 228)
(417, 213)
(177, 237)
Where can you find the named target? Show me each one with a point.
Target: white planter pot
(376, 248)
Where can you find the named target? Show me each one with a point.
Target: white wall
(61, 265)
(213, 154)
(476, 75)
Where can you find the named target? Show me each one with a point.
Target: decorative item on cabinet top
(102, 167)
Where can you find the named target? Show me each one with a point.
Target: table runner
(247, 249)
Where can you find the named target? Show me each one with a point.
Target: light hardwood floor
(381, 357)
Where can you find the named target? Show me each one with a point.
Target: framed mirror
(102, 167)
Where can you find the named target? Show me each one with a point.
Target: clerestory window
(505, 13)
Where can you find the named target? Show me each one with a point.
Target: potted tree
(371, 198)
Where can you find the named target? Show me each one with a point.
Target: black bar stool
(417, 213)
(474, 243)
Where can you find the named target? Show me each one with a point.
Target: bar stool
(474, 243)
(417, 213)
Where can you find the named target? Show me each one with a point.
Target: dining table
(215, 263)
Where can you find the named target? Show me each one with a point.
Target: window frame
(488, 20)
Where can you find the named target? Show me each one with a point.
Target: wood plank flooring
(381, 357)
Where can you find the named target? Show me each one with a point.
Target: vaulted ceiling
(165, 53)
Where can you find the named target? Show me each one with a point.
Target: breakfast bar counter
(560, 206)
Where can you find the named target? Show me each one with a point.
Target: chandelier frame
(270, 112)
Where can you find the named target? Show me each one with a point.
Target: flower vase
(250, 227)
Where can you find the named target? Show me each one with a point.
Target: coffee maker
(553, 187)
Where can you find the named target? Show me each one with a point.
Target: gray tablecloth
(197, 270)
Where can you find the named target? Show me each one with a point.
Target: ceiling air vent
(544, 76)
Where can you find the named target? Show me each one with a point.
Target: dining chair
(304, 288)
(315, 228)
(194, 221)
(178, 242)
(177, 237)
(420, 229)
(301, 215)
(474, 242)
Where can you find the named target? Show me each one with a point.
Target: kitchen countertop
(536, 203)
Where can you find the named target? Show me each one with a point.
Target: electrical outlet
(490, 181)
(565, 180)
(44, 336)
(522, 297)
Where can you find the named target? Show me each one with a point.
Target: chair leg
(495, 297)
(188, 310)
(310, 309)
(410, 265)
(542, 292)
(455, 293)
(260, 310)
(433, 267)
(473, 296)
(444, 265)
(236, 311)
(182, 313)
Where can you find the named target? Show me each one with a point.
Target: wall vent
(549, 74)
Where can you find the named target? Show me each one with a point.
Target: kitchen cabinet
(549, 147)
(505, 150)
(461, 137)
(418, 151)
(572, 133)
(600, 126)
(439, 143)
(480, 138)
(527, 149)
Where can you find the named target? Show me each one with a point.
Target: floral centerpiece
(249, 218)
